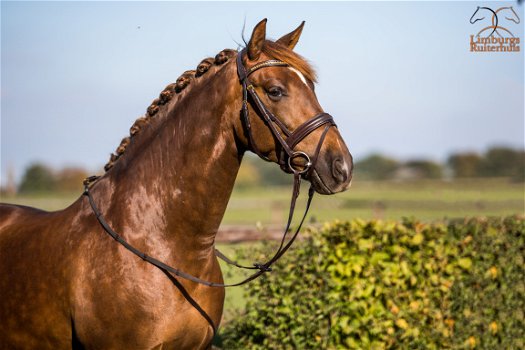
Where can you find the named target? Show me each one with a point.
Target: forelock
(283, 53)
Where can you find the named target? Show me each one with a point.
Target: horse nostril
(339, 170)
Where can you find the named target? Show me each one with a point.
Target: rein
(285, 161)
(262, 268)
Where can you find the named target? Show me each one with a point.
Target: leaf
(365, 244)
(401, 323)
(465, 263)
(417, 239)
(378, 256)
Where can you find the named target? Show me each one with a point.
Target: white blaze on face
(301, 76)
(346, 166)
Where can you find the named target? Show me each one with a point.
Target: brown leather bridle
(274, 124)
(285, 160)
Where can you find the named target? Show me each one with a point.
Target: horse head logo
(508, 14)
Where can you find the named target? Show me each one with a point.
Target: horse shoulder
(36, 264)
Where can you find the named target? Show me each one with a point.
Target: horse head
(510, 12)
(291, 129)
(475, 18)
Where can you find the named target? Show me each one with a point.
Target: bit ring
(299, 154)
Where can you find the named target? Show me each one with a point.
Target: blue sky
(397, 76)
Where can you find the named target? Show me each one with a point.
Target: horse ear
(257, 40)
(291, 38)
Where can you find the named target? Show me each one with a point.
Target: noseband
(285, 160)
(274, 124)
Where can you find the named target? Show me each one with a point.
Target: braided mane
(273, 49)
(164, 97)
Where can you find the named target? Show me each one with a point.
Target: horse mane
(272, 49)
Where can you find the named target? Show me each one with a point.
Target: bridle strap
(243, 74)
(268, 117)
(270, 120)
(276, 126)
(307, 128)
(269, 63)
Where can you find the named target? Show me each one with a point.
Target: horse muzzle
(333, 172)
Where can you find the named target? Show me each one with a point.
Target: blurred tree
(10, 187)
(376, 167)
(70, 179)
(268, 174)
(425, 169)
(503, 161)
(37, 178)
(272, 175)
(248, 175)
(465, 164)
(520, 167)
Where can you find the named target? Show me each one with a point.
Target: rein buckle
(262, 267)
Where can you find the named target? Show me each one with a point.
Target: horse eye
(275, 93)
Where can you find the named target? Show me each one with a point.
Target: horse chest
(145, 311)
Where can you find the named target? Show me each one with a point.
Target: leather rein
(286, 158)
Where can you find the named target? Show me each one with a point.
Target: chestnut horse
(65, 283)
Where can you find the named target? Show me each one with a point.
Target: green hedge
(387, 285)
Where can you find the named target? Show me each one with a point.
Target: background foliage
(40, 178)
(381, 285)
(495, 162)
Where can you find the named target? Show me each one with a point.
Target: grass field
(426, 200)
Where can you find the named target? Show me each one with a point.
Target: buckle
(262, 267)
(89, 180)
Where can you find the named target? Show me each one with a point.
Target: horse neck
(170, 189)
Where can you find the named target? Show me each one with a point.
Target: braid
(137, 126)
(204, 66)
(184, 80)
(112, 158)
(122, 147)
(153, 108)
(224, 56)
